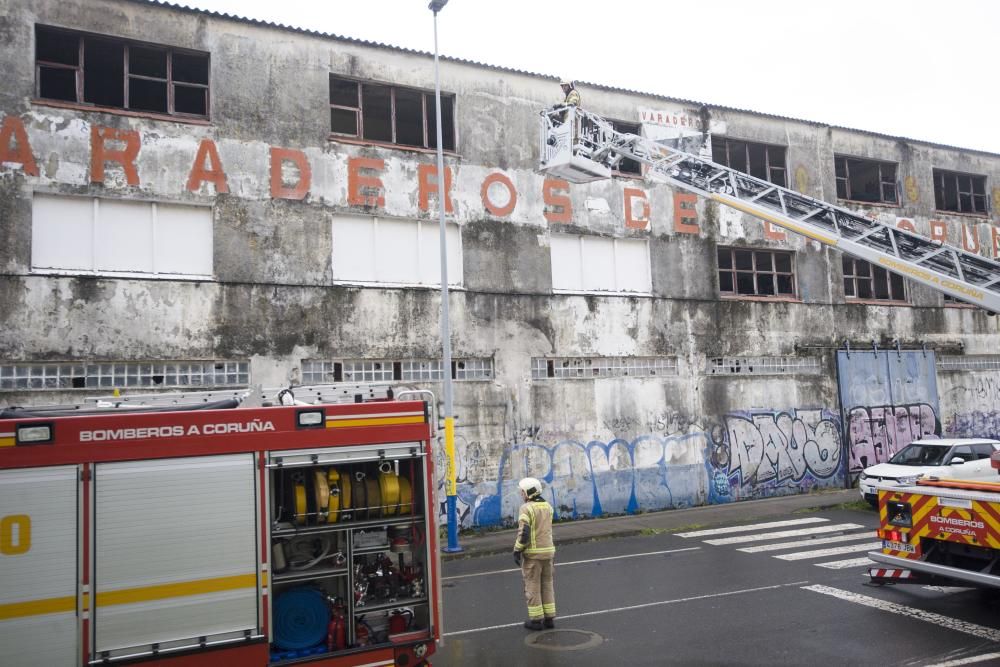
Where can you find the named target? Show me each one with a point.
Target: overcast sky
(919, 68)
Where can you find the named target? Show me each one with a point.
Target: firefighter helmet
(530, 486)
(567, 82)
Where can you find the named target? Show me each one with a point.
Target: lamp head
(437, 5)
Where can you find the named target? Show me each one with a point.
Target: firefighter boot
(533, 624)
(549, 622)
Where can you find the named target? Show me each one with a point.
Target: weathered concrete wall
(604, 445)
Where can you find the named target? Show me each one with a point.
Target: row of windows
(78, 235)
(209, 374)
(114, 73)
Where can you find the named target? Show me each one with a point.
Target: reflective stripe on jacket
(572, 97)
(534, 530)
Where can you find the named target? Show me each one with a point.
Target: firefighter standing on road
(535, 552)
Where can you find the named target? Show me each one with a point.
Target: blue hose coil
(301, 617)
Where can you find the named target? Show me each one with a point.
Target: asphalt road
(744, 595)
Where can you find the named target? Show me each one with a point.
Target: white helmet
(567, 82)
(530, 486)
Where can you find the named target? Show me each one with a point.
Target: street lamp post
(451, 490)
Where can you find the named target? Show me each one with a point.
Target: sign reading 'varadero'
(291, 177)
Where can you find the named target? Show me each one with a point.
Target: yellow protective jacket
(534, 530)
(572, 98)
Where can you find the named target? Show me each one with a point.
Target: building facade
(191, 200)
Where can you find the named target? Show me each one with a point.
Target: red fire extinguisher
(399, 621)
(336, 634)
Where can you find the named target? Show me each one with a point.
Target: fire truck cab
(211, 533)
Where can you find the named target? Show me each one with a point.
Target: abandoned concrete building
(193, 200)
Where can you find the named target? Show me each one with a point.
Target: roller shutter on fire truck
(38, 566)
(175, 558)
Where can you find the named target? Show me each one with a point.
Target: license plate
(899, 546)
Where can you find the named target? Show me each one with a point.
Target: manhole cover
(563, 640)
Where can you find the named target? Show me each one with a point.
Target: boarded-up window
(370, 250)
(113, 236)
(598, 264)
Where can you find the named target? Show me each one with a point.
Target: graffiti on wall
(876, 433)
(749, 454)
(977, 409)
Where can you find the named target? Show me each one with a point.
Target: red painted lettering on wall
(939, 231)
(970, 238)
(100, 153)
(212, 172)
(484, 193)
(427, 187)
(685, 215)
(300, 188)
(633, 220)
(364, 190)
(559, 207)
(12, 131)
(907, 224)
(773, 233)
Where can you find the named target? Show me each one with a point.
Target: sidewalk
(694, 518)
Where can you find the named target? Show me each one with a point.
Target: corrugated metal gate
(888, 398)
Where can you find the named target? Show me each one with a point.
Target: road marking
(785, 533)
(564, 617)
(575, 562)
(807, 543)
(833, 551)
(978, 631)
(967, 661)
(850, 562)
(753, 526)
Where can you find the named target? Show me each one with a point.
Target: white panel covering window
(175, 554)
(120, 237)
(369, 250)
(38, 561)
(598, 264)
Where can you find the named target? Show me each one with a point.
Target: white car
(963, 458)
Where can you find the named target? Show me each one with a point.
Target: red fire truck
(197, 530)
(940, 531)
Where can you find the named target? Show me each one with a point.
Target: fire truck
(213, 528)
(940, 531)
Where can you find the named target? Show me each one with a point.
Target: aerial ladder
(581, 147)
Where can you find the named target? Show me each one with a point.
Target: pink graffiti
(877, 433)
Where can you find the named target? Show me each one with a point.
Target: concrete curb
(584, 530)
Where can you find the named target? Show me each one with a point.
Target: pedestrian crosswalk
(811, 532)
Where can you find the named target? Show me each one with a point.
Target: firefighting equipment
(405, 496)
(336, 634)
(333, 481)
(303, 553)
(321, 489)
(388, 483)
(301, 618)
(399, 620)
(530, 486)
(539, 588)
(345, 497)
(301, 505)
(533, 624)
(534, 534)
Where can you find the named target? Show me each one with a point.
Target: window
(372, 250)
(598, 264)
(961, 193)
(115, 236)
(388, 114)
(864, 280)
(602, 367)
(122, 374)
(972, 362)
(106, 72)
(760, 160)
(316, 371)
(983, 450)
(866, 180)
(763, 366)
(627, 166)
(746, 272)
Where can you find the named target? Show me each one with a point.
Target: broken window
(627, 166)
(864, 280)
(961, 193)
(762, 161)
(105, 72)
(388, 114)
(866, 180)
(749, 272)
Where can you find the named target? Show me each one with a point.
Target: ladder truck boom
(580, 147)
